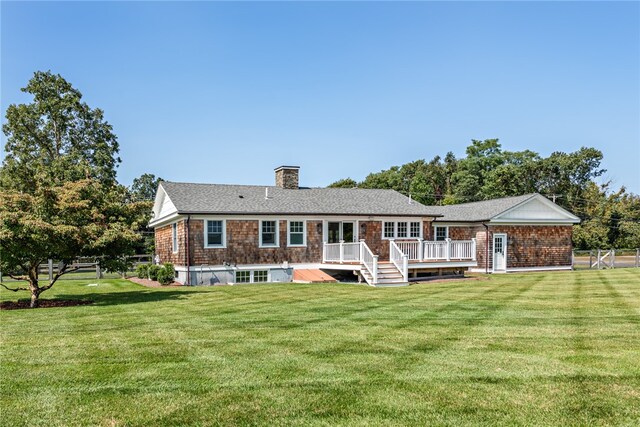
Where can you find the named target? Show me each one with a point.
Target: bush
(153, 271)
(142, 271)
(166, 275)
(169, 267)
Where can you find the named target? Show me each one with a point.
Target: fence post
(637, 257)
(612, 258)
(50, 265)
(448, 249)
(98, 271)
(598, 260)
(341, 251)
(573, 255)
(590, 259)
(420, 249)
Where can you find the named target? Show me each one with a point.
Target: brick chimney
(287, 177)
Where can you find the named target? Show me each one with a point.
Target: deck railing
(415, 250)
(370, 261)
(341, 252)
(399, 259)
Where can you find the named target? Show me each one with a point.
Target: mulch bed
(150, 283)
(45, 303)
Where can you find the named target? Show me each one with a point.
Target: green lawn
(534, 349)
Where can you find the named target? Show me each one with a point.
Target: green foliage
(166, 274)
(144, 187)
(142, 271)
(488, 171)
(56, 139)
(153, 271)
(344, 183)
(58, 194)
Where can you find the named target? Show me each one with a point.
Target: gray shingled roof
(250, 199)
(478, 211)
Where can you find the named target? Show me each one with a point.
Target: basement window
(243, 276)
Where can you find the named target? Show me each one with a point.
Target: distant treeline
(609, 218)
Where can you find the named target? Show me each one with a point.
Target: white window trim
(395, 229)
(304, 234)
(251, 276)
(435, 227)
(206, 234)
(175, 243)
(277, 244)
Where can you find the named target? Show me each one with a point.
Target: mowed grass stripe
(530, 349)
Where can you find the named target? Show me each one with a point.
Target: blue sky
(225, 92)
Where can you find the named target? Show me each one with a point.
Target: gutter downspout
(187, 263)
(486, 248)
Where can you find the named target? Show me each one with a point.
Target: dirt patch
(45, 303)
(151, 283)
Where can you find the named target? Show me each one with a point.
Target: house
(250, 234)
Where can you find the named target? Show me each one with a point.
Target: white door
(499, 252)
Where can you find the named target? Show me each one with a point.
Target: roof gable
(536, 209)
(162, 205)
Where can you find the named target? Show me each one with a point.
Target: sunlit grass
(534, 349)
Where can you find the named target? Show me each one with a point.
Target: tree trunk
(34, 298)
(33, 285)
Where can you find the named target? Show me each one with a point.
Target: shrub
(169, 267)
(153, 271)
(142, 271)
(166, 275)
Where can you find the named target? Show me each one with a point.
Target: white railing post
(341, 251)
(362, 243)
(448, 249)
(324, 252)
(405, 267)
(420, 249)
(473, 249)
(374, 273)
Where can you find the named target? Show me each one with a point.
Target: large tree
(144, 187)
(59, 198)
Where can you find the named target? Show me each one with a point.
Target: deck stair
(388, 275)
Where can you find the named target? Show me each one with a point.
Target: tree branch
(57, 276)
(21, 278)
(13, 290)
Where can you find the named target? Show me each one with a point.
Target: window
(441, 233)
(268, 233)
(174, 237)
(402, 230)
(253, 276)
(389, 232)
(214, 234)
(297, 233)
(243, 276)
(260, 276)
(415, 230)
